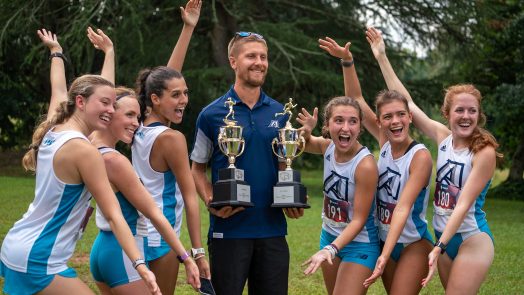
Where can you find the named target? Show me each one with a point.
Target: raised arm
(351, 83)
(102, 42)
(431, 128)
(190, 16)
(57, 72)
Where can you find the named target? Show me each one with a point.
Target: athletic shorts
(153, 253)
(362, 253)
(19, 283)
(399, 247)
(457, 240)
(109, 263)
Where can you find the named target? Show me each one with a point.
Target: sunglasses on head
(247, 34)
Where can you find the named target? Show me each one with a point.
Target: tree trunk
(223, 29)
(517, 163)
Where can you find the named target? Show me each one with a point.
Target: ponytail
(152, 81)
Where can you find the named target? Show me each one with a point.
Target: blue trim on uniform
(480, 216)
(365, 254)
(169, 204)
(43, 246)
(168, 197)
(371, 227)
(457, 240)
(418, 206)
(128, 211)
(19, 283)
(258, 161)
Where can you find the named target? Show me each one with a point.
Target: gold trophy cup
(289, 192)
(231, 189)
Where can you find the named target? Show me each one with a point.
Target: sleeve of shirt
(203, 144)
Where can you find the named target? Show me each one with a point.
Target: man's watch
(442, 246)
(197, 251)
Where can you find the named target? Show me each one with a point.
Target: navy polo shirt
(260, 165)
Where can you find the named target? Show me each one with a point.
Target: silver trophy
(289, 192)
(231, 189)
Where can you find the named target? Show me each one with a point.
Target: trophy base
(289, 192)
(231, 189)
(233, 204)
(291, 205)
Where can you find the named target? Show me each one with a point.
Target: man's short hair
(239, 40)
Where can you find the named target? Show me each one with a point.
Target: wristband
(442, 246)
(196, 251)
(138, 262)
(58, 54)
(347, 63)
(182, 258)
(332, 250)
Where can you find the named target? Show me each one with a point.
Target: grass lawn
(506, 220)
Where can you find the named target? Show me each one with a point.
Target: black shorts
(264, 263)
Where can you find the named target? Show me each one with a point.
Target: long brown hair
(84, 86)
(480, 137)
(334, 102)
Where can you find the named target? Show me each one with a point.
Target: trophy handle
(242, 150)
(220, 143)
(273, 143)
(303, 145)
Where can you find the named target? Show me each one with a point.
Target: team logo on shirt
(336, 186)
(389, 182)
(49, 141)
(328, 157)
(140, 134)
(443, 148)
(451, 173)
(383, 154)
(274, 124)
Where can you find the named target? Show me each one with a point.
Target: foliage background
(432, 44)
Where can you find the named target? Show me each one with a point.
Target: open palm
(191, 13)
(376, 41)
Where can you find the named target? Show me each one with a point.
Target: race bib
(445, 198)
(336, 211)
(385, 213)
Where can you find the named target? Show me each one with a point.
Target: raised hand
(307, 121)
(191, 13)
(99, 40)
(331, 46)
(432, 261)
(379, 269)
(376, 42)
(316, 261)
(50, 40)
(192, 273)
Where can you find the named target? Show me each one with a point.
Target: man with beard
(245, 243)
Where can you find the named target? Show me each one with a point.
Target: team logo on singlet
(140, 134)
(336, 186)
(443, 148)
(451, 173)
(328, 157)
(389, 182)
(383, 154)
(49, 141)
(274, 124)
